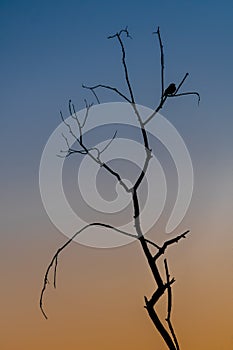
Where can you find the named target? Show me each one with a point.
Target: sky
(48, 50)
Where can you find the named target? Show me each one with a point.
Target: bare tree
(162, 286)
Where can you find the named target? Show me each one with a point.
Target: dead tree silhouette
(167, 333)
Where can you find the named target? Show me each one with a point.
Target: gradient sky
(48, 49)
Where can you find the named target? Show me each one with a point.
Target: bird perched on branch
(170, 90)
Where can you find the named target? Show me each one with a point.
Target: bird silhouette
(170, 90)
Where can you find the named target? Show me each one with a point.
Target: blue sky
(48, 49)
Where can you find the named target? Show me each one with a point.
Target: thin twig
(93, 91)
(69, 127)
(54, 260)
(181, 83)
(169, 242)
(99, 152)
(88, 106)
(66, 140)
(70, 150)
(73, 113)
(169, 306)
(75, 117)
(55, 272)
(96, 159)
(161, 62)
(118, 36)
(188, 93)
(108, 87)
(120, 32)
(109, 143)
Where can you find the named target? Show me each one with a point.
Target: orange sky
(99, 297)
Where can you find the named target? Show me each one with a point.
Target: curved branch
(54, 260)
(188, 93)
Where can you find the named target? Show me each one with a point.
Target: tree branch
(108, 87)
(152, 243)
(118, 36)
(188, 93)
(151, 262)
(88, 106)
(87, 151)
(69, 150)
(160, 327)
(93, 91)
(54, 260)
(109, 143)
(169, 306)
(169, 242)
(161, 62)
(182, 82)
(159, 292)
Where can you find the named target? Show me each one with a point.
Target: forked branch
(86, 151)
(168, 243)
(118, 36)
